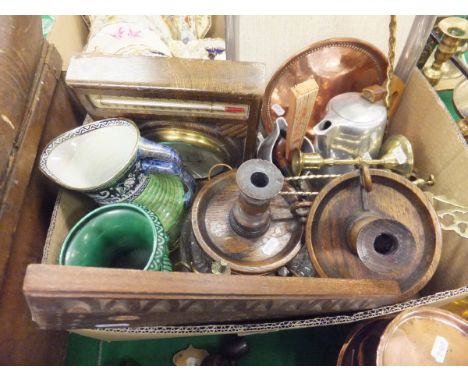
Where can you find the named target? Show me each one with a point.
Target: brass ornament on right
(454, 35)
(396, 155)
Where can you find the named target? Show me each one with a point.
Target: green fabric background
(314, 346)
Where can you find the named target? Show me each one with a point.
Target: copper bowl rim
(369, 49)
(425, 312)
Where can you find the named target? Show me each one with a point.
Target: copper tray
(338, 65)
(424, 336)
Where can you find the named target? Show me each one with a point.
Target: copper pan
(338, 65)
(360, 346)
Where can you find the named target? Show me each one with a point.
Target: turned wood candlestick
(259, 182)
(391, 232)
(384, 245)
(240, 219)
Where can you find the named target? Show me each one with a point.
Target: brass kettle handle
(216, 166)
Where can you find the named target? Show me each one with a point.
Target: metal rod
(414, 45)
(304, 193)
(231, 27)
(311, 176)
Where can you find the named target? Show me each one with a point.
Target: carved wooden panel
(62, 297)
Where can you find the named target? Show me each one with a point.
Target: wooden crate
(73, 298)
(64, 297)
(35, 107)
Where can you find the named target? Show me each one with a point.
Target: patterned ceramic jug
(111, 163)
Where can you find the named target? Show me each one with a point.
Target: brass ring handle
(298, 206)
(366, 179)
(216, 166)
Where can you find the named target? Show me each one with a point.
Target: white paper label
(439, 349)
(270, 246)
(366, 156)
(111, 325)
(400, 155)
(192, 361)
(279, 111)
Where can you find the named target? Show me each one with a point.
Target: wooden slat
(24, 153)
(144, 72)
(26, 345)
(20, 53)
(64, 297)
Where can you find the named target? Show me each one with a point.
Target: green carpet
(314, 346)
(447, 98)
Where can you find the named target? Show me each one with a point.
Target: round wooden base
(392, 197)
(213, 231)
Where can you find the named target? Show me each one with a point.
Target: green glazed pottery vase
(120, 235)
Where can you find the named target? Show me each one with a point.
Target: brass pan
(200, 145)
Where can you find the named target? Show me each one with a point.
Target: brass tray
(200, 145)
(338, 65)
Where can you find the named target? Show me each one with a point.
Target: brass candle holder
(463, 125)
(455, 33)
(397, 156)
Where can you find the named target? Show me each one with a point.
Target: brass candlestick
(398, 156)
(455, 33)
(463, 125)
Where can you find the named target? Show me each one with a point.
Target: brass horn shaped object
(455, 33)
(397, 155)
